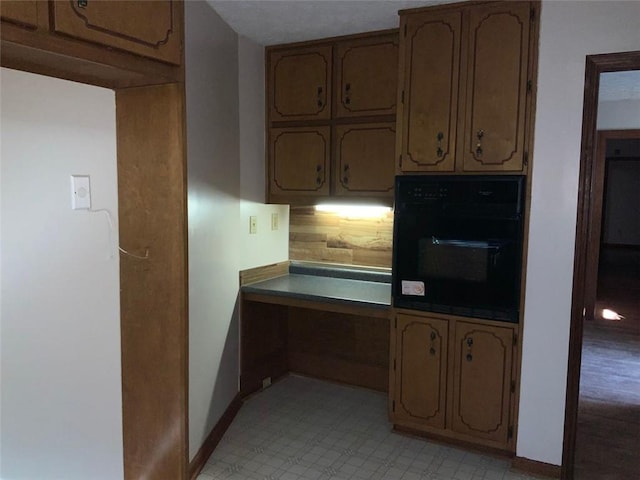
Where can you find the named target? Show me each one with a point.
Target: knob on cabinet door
(439, 150)
(480, 134)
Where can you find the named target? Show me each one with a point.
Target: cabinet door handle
(83, 3)
(439, 150)
(347, 93)
(433, 336)
(320, 96)
(318, 168)
(469, 341)
(480, 134)
(432, 351)
(345, 178)
(319, 176)
(469, 357)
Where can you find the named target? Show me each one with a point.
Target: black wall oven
(457, 244)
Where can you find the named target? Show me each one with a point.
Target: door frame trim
(587, 198)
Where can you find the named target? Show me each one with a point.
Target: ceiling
(619, 86)
(271, 22)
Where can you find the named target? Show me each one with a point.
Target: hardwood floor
(608, 435)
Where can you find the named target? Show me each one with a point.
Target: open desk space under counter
(324, 321)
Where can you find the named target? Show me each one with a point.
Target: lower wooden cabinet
(482, 381)
(454, 378)
(421, 370)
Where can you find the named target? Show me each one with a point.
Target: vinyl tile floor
(306, 429)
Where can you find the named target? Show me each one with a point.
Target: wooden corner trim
(214, 437)
(538, 468)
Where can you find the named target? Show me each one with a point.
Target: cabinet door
(366, 76)
(364, 159)
(421, 365)
(482, 381)
(431, 55)
(299, 161)
(300, 84)
(23, 13)
(496, 88)
(151, 29)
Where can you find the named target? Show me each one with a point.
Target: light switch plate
(80, 192)
(253, 224)
(274, 221)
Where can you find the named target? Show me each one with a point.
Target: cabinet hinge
(532, 15)
(515, 339)
(395, 320)
(510, 432)
(393, 406)
(405, 29)
(529, 86)
(513, 386)
(400, 161)
(526, 159)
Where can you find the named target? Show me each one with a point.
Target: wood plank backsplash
(327, 237)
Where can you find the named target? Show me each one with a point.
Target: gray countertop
(374, 294)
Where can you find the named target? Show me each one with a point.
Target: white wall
(214, 217)
(569, 32)
(267, 246)
(225, 151)
(60, 312)
(618, 115)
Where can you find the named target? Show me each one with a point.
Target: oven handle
(468, 243)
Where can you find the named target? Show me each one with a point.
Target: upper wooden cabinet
(112, 44)
(362, 159)
(465, 79)
(151, 29)
(429, 119)
(300, 84)
(365, 80)
(496, 87)
(344, 91)
(300, 163)
(21, 12)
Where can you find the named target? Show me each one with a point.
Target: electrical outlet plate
(274, 221)
(253, 224)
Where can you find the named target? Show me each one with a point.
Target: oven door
(459, 265)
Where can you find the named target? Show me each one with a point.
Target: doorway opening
(587, 249)
(608, 428)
